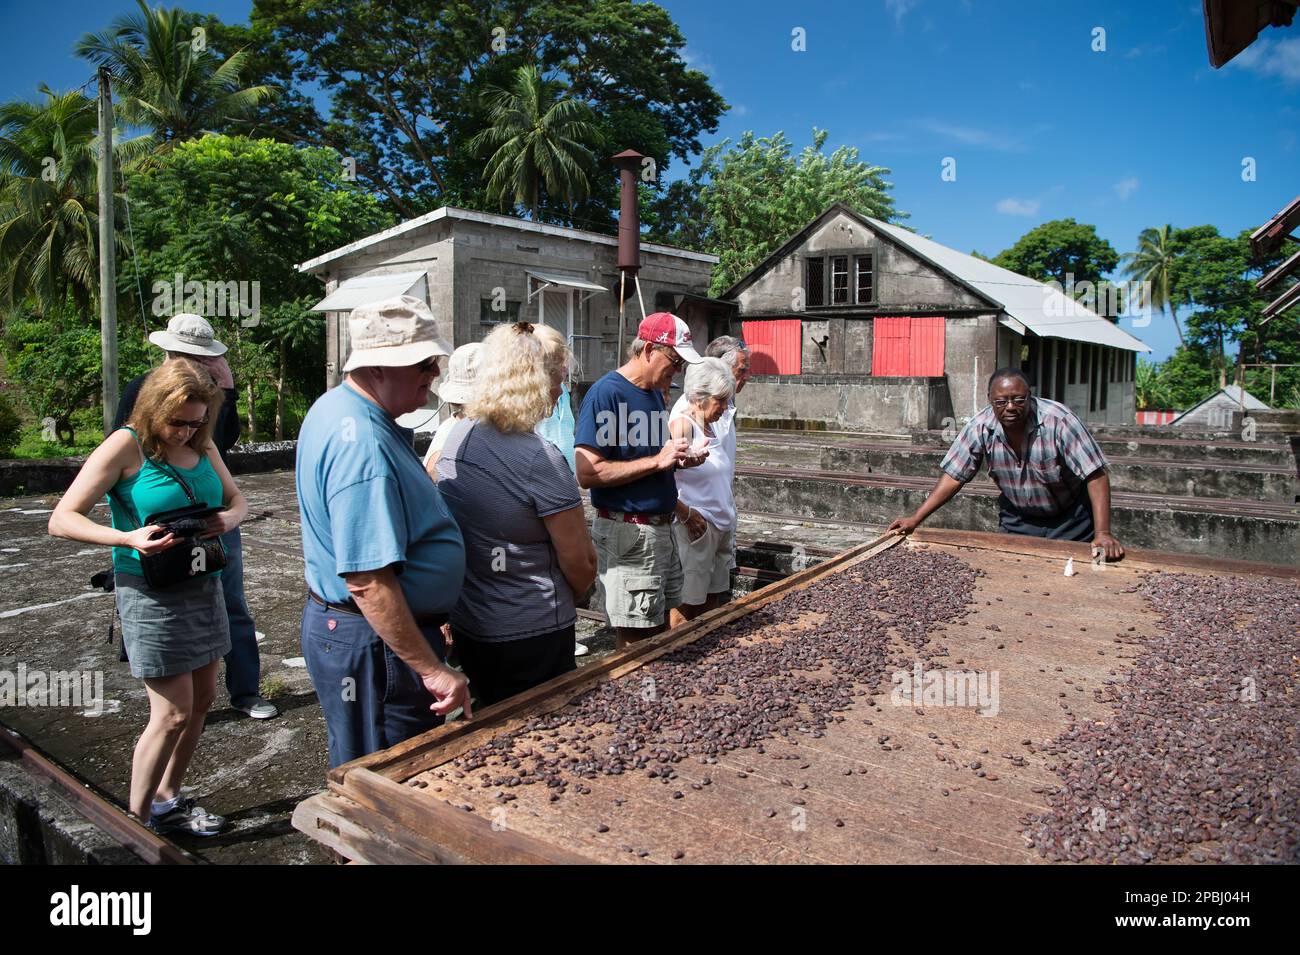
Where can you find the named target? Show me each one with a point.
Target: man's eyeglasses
(1018, 401)
(428, 367)
(182, 423)
(677, 360)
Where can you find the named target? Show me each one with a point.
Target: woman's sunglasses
(182, 423)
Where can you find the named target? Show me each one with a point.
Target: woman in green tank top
(174, 636)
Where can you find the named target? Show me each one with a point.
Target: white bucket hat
(461, 369)
(188, 334)
(394, 333)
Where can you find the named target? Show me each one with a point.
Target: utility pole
(107, 264)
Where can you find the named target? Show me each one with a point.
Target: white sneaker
(579, 649)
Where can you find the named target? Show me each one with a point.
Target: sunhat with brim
(394, 333)
(188, 334)
(461, 369)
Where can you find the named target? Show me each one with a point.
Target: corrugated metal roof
(367, 288)
(554, 278)
(488, 218)
(1039, 307)
(1234, 395)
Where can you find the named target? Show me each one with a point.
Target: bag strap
(167, 468)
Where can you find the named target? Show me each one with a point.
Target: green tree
(1062, 251)
(1150, 390)
(745, 199)
(1210, 272)
(1153, 263)
(226, 209)
(167, 78)
(55, 361)
(538, 138)
(407, 83)
(49, 200)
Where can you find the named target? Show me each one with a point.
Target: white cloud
(1018, 207)
(697, 61)
(1126, 187)
(1268, 57)
(739, 109)
(900, 9)
(1145, 49)
(969, 135)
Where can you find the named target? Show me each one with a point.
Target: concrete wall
(844, 402)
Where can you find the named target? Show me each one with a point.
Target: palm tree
(537, 137)
(167, 79)
(1153, 263)
(49, 199)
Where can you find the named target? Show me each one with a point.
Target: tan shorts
(706, 562)
(640, 573)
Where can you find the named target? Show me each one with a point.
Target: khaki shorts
(706, 563)
(640, 573)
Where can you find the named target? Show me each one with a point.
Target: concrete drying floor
(252, 772)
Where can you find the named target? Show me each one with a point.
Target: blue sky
(1041, 126)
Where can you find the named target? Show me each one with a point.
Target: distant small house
(477, 270)
(1215, 411)
(860, 324)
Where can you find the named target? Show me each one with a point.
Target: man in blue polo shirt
(626, 455)
(385, 559)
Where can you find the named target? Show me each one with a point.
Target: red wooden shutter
(774, 346)
(927, 347)
(889, 345)
(905, 346)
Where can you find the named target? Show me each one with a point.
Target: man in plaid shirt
(1042, 459)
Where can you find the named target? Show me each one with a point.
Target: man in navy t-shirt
(626, 456)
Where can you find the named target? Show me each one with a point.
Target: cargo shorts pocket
(645, 596)
(628, 540)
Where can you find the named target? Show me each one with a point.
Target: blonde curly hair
(169, 388)
(512, 390)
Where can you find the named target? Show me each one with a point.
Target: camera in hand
(191, 555)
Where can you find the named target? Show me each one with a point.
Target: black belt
(350, 606)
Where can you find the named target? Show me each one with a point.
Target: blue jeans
(370, 698)
(243, 665)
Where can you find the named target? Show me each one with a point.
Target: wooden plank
(413, 756)
(1081, 552)
(360, 836)
(451, 832)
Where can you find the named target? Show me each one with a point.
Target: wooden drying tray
(897, 805)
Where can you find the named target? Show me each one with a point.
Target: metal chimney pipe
(629, 220)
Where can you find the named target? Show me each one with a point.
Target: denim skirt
(172, 630)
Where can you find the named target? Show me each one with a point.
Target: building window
(864, 283)
(814, 283)
(840, 280)
(1105, 377)
(1071, 362)
(487, 315)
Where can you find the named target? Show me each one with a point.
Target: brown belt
(629, 517)
(350, 606)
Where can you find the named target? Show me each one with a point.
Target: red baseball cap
(665, 328)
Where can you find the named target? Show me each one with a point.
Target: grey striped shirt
(499, 486)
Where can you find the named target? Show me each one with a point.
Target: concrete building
(477, 269)
(1216, 412)
(857, 324)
